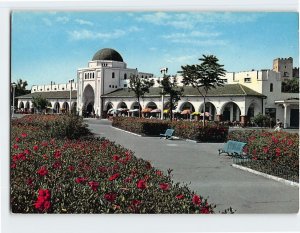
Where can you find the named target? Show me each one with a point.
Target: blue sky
(50, 46)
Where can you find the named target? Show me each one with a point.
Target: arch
(253, 109)
(209, 107)
(88, 98)
(21, 104)
(65, 106)
(122, 105)
(135, 105)
(27, 106)
(108, 106)
(230, 111)
(151, 105)
(125, 76)
(56, 107)
(187, 105)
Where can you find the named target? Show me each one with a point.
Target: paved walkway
(210, 175)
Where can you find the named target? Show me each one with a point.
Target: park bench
(233, 148)
(168, 134)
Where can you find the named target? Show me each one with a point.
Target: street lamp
(71, 81)
(163, 71)
(14, 89)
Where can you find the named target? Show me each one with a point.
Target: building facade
(103, 85)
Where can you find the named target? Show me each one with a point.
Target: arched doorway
(56, 108)
(122, 105)
(27, 107)
(65, 107)
(74, 107)
(210, 111)
(88, 101)
(231, 112)
(21, 105)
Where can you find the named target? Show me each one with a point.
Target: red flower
(13, 166)
(164, 186)
(102, 169)
(179, 196)
(30, 181)
(45, 193)
(204, 210)
(94, 185)
(42, 171)
(79, 180)
(27, 152)
(116, 157)
(43, 201)
(278, 151)
(57, 154)
(18, 139)
(16, 146)
(114, 176)
(56, 165)
(196, 200)
(44, 143)
(128, 180)
(265, 150)
(136, 202)
(24, 135)
(71, 168)
(47, 205)
(111, 197)
(159, 173)
(35, 148)
(141, 184)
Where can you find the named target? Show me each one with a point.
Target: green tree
(40, 103)
(172, 91)
(20, 89)
(140, 86)
(290, 85)
(204, 76)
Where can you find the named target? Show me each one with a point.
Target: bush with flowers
(184, 129)
(89, 175)
(275, 149)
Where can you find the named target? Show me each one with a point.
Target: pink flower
(94, 185)
(24, 135)
(179, 196)
(79, 180)
(116, 157)
(141, 184)
(35, 148)
(57, 154)
(42, 171)
(16, 146)
(111, 197)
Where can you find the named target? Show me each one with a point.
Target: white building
(103, 85)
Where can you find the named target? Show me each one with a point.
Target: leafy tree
(171, 89)
(20, 89)
(140, 86)
(40, 103)
(290, 86)
(204, 76)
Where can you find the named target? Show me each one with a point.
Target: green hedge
(183, 129)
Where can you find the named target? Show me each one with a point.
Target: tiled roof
(226, 90)
(50, 95)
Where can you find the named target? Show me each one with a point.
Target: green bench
(168, 134)
(233, 148)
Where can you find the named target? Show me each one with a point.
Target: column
(244, 121)
(231, 112)
(219, 117)
(285, 116)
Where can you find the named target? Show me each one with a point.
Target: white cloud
(84, 22)
(62, 19)
(90, 35)
(47, 21)
(179, 59)
(191, 20)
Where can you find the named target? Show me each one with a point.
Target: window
(54, 89)
(85, 76)
(109, 86)
(113, 75)
(271, 87)
(41, 89)
(116, 86)
(63, 88)
(93, 75)
(125, 76)
(47, 89)
(247, 80)
(125, 85)
(34, 89)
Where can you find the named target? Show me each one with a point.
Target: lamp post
(14, 90)
(71, 81)
(163, 71)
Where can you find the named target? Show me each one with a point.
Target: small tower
(284, 66)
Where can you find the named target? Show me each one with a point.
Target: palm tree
(204, 76)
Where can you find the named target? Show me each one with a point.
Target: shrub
(262, 120)
(92, 175)
(281, 148)
(183, 129)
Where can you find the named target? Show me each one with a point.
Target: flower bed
(183, 129)
(91, 175)
(274, 149)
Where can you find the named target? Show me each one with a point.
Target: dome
(108, 54)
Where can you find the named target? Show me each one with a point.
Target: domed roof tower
(108, 55)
